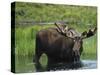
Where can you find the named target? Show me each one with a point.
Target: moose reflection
(62, 45)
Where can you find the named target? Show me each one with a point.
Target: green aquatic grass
(25, 39)
(90, 48)
(24, 42)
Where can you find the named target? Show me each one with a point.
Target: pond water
(26, 65)
(85, 64)
(89, 64)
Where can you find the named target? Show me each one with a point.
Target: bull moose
(60, 46)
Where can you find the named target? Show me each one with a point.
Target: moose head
(76, 37)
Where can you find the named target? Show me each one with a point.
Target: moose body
(57, 47)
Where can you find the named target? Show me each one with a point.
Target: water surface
(26, 65)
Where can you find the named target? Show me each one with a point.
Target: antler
(60, 28)
(89, 33)
(68, 32)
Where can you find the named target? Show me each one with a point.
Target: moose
(61, 44)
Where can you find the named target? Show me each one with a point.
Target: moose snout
(76, 56)
(76, 53)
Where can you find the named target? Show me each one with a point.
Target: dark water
(84, 64)
(26, 65)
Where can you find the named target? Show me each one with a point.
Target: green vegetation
(25, 39)
(81, 16)
(49, 12)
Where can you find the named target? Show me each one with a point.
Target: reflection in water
(25, 64)
(89, 64)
